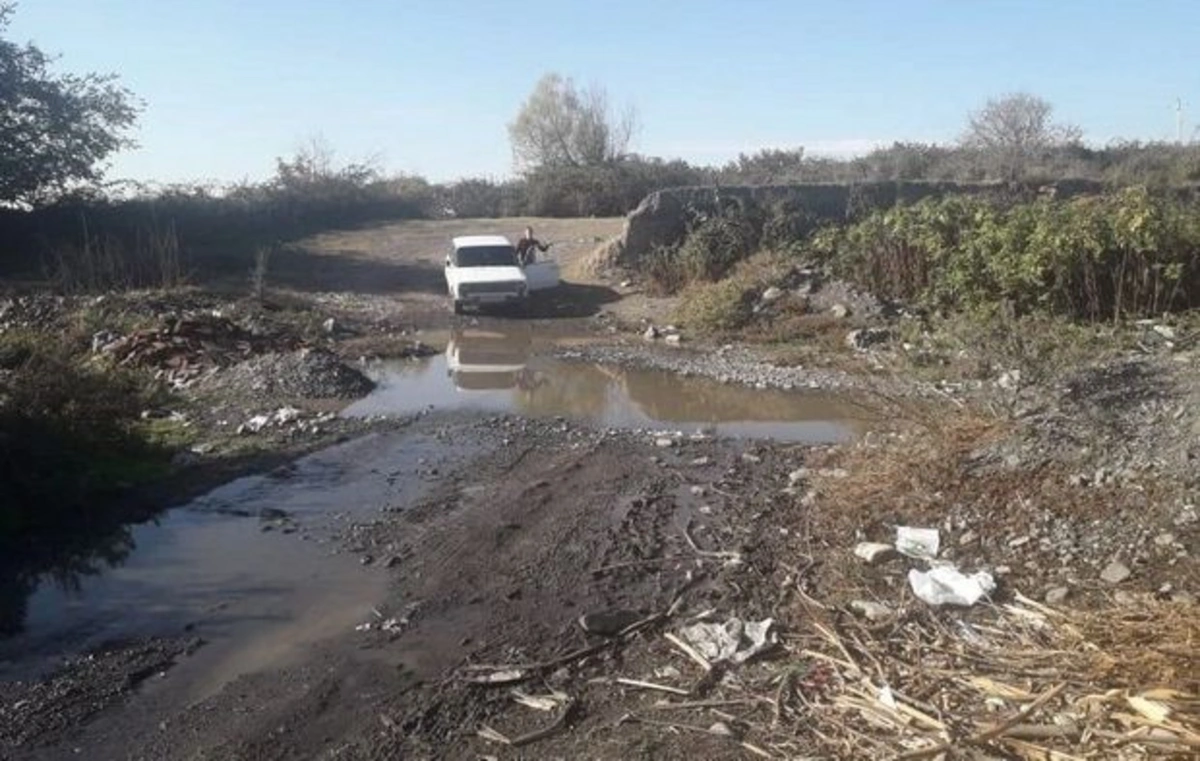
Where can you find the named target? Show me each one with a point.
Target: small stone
(872, 611)
(797, 476)
(1020, 541)
(651, 333)
(840, 311)
(664, 442)
(329, 326)
(968, 537)
(1122, 597)
(772, 295)
(674, 339)
(1010, 380)
(1056, 595)
(1115, 572)
(874, 552)
(698, 491)
(753, 459)
(1164, 539)
(367, 560)
(720, 728)
(864, 338)
(700, 462)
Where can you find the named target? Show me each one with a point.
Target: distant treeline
(127, 239)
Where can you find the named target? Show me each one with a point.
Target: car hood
(489, 274)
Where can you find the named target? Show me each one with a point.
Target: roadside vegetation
(71, 440)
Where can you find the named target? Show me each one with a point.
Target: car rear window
(485, 256)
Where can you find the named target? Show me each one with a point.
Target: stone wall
(661, 218)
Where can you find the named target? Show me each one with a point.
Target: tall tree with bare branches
(561, 125)
(1014, 130)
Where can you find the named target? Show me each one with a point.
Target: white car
(482, 270)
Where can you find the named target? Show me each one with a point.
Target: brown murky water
(488, 370)
(257, 597)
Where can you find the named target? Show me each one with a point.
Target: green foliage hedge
(1128, 253)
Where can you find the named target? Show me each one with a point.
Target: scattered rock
(864, 338)
(700, 462)
(674, 339)
(874, 552)
(651, 333)
(664, 442)
(1165, 539)
(840, 311)
(1056, 595)
(1009, 381)
(772, 294)
(329, 326)
(1115, 572)
(103, 340)
(872, 611)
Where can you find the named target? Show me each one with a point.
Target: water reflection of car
(483, 360)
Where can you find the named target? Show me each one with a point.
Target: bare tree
(1015, 130)
(560, 125)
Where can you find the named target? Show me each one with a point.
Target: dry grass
(1020, 680)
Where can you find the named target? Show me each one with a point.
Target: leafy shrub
(1092, 257)
(67, 437)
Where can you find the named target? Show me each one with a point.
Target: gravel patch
(303, 374)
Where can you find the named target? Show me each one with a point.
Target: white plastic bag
(946, 585)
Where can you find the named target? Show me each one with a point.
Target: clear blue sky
(429, 86)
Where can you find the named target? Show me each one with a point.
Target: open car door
(542, 275)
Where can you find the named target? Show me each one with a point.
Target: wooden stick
(487, 733)
(991, 733)
(693, 704)
(689, 651)
(651, 686)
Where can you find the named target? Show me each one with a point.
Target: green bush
(724, 305)
(1128, 253)
(68, 437)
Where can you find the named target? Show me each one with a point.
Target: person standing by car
(526, 246)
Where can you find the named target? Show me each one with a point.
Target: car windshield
(485, 256)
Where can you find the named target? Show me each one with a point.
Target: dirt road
(499, 579)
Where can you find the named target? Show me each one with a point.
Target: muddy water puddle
(493, 371)
(250, 567)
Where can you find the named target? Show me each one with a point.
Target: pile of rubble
(184, 349)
